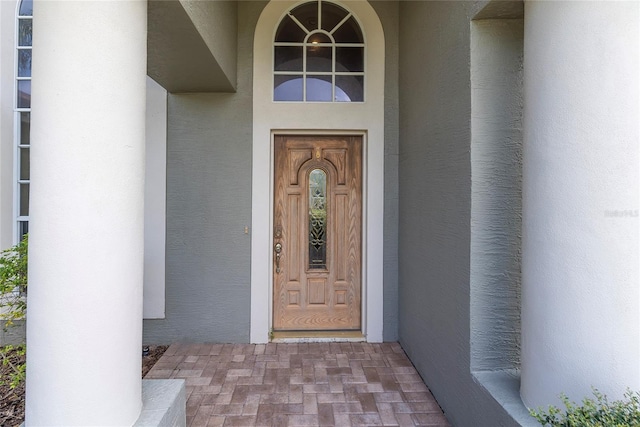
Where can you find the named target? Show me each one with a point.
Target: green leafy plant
(13, 307)
(13, 359)
(13, 283)
(592, 413)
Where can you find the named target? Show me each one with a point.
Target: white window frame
(17, 133)
(333, 73)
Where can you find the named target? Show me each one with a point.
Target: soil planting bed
(12, 400)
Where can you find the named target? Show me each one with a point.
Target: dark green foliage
(13, 306)
(593, 413)
(14, 368)
(13, 283)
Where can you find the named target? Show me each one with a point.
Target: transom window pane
(319, 55)
(289, 31)
(319, 88)
(288, 88)
(349, 32)
(288, 58)
(319, 58)
(317, 38)
(332, 15)
(349, 59)
(307, 15)
(352, 86)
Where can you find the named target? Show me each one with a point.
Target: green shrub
(13, 306)
(13, 283)
(14, 361)
(593, 413)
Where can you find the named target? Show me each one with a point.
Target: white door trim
(366, 119)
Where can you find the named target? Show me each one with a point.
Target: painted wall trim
(366, 118)
(155, 202)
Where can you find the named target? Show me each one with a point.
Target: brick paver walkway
(310, 384)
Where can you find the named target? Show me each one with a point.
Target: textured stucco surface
(435, 207)
(209, 201)
(580, 248)
(208, 207)
(216, 22)
(496, 192)
(180, 57)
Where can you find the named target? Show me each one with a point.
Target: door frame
(262, 241)
(317, 118)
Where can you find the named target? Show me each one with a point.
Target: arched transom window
(319, 55)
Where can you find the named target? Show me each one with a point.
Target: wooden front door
(317, 233)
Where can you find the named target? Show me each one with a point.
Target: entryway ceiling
(191, 45)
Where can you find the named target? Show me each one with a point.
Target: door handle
(278, 249)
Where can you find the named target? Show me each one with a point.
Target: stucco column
(84, 315)
(581, 289)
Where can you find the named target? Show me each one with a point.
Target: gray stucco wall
(216, 21)
(435, 207)
(208, 207)
(209, 201)
(496, 192)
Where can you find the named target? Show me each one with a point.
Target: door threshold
(317, 336)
